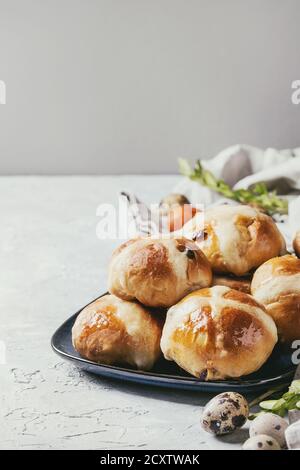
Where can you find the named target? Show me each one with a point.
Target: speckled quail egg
(225, 413)
(261, 442)
(172, 200)
(270, 424)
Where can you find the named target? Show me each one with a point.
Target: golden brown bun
(276, 284)
(114, 331)
(239, 283)
(236, 239)
(296, 244)
(217, 333)
(157, 273)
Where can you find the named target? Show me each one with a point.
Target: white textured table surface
(51, 265)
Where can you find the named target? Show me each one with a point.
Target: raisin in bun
(276, 284)
(157, 273)
(114, 331)
(218, 333)
(235, 239)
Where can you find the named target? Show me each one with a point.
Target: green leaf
(291, 404)
(288, 395)
(268, 404)
(210, 179)
(260, 188)
(295, 386)
(184, 167)
(257, 196)
(272, 405)
(281, 412)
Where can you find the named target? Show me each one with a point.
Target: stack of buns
(215, 301)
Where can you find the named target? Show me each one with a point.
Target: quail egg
(172, 201)
(261, 442)
(225, 413)
(270, 424)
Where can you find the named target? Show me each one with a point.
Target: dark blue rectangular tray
(277, 370)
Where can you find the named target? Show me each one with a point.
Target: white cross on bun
(236, 239)
(218, 333)
(116, 332)
(159, 272)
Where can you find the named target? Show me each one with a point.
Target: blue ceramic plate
(277, 370)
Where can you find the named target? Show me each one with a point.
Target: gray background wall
(114, 86)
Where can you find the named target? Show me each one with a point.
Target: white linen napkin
(242, 166)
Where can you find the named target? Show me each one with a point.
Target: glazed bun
(157, 273)
(239, 283)
(235, 239)
(276, 284)
(113, 331)
(296, 243)
(218, 333)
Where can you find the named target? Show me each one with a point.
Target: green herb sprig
(290, 400)
(258, 196)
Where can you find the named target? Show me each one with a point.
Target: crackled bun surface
(236, 239)
(218, 333)
(276, 284)
(157, 273)
(113, 331)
